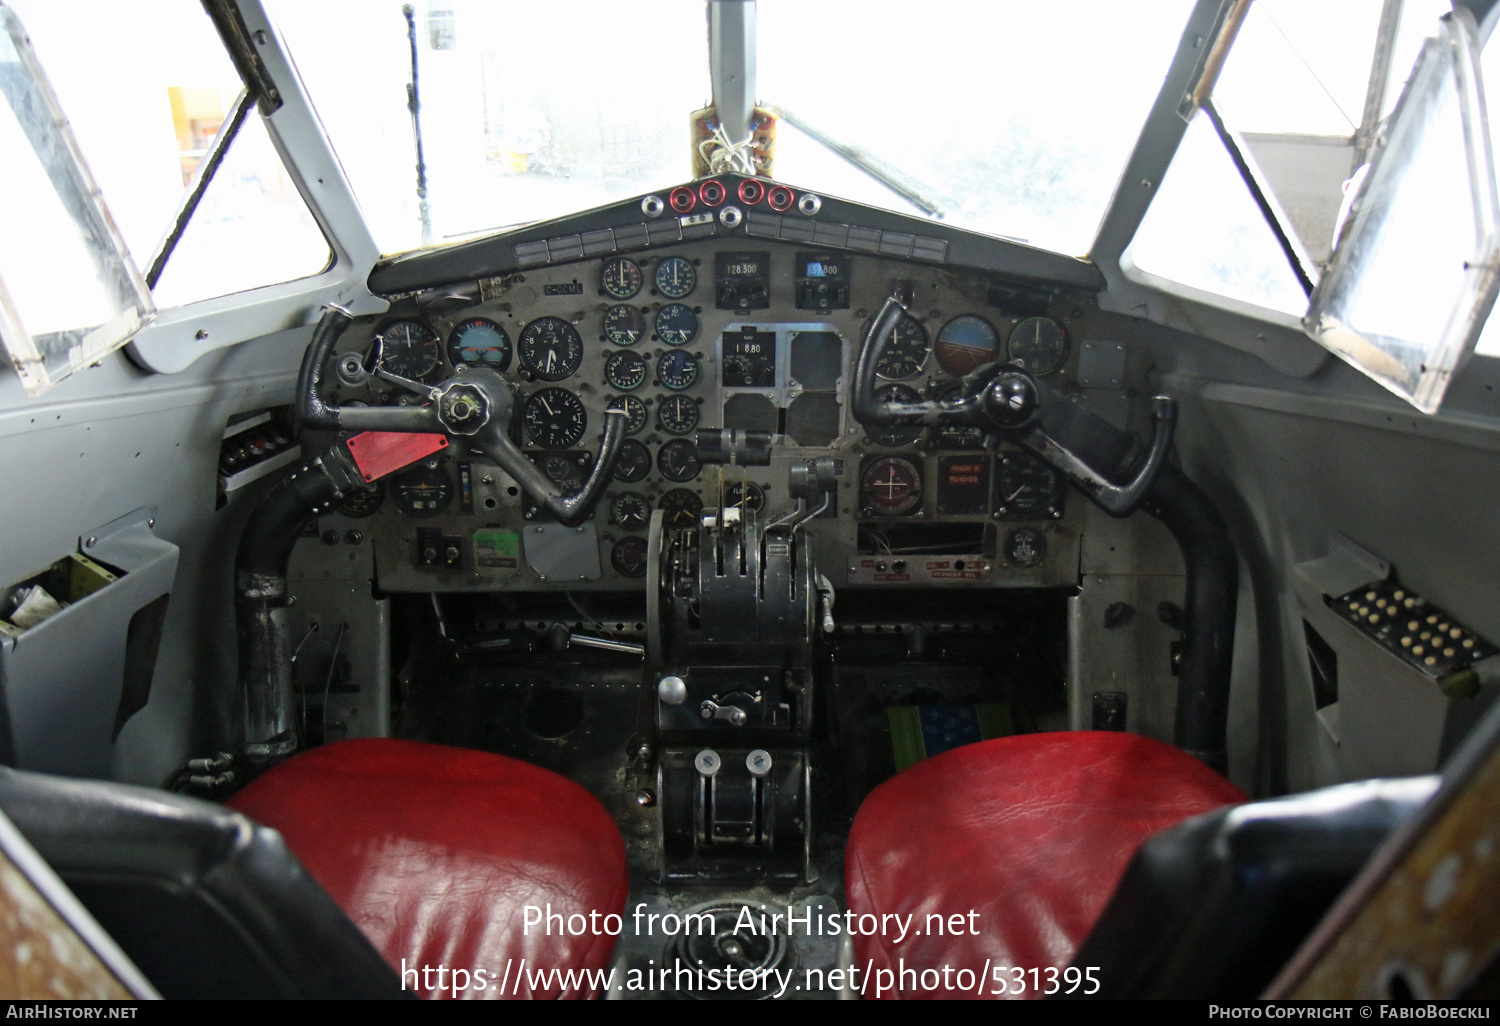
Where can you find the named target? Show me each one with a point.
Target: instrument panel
(737, 333)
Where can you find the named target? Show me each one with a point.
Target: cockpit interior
(827, 537)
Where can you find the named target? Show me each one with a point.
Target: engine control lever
(1008, 402)
(634, 648)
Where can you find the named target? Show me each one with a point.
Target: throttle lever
(1116, 500)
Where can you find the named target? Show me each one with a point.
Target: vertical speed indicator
(554, 418)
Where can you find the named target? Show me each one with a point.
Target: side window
(1204, 231)
(147, 96)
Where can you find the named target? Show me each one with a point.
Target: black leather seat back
(1213, 908)
(205, 902)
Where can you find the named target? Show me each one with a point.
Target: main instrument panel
(724, 332)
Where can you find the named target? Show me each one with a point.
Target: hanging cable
(333, 665)
(720, 154)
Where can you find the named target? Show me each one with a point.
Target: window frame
(180, 335)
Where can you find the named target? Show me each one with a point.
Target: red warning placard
(378, 453)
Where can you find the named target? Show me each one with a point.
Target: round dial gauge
(479, 342)
(1039, 345)
(956, 437)
(905, 352)
(676, 277)
(677, 369)
(895, 435)
(1025, 487)
(891, 486)
(634, 462)
(550, 348)
(629, 512)
(965, 343)
(1026, 547)
(620, 278)
(410, 349)
(628, 557)
(677, 414)
(635, 412)
(554, 418)
(625, 370)
(676, 324)
(364, 502)
(680, 509)
(563, 470)
(747, 495)
(422, 491)
(624, 325)
(678, 460)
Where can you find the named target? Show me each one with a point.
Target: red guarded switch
(378, 453)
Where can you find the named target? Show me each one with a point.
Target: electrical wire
(720, 154)
(588, 618)
(1305, 63)
(333, 664)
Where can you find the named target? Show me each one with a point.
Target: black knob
(1010, 400)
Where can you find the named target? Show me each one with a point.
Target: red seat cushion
(435, 853)
(1030, 833)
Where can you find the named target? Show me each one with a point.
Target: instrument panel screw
(90, 542)
(645, 798)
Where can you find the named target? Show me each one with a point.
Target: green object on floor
(920, 731)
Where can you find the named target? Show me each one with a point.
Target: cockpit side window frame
(1282, 345)
(181, 335)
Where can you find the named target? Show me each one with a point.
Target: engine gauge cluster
(628, 557)
(677, 460)
(624, 325)
(636, 413)
(676, 324)
(620, 278)
(625, 370)
(634, 463)
(676, 277)
(677, 369)
(680, 508)
(629, 512)
(677, 415)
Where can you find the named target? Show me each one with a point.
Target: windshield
(1003, 118)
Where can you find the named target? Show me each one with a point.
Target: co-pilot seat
(385, 856)
(1103, 853)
